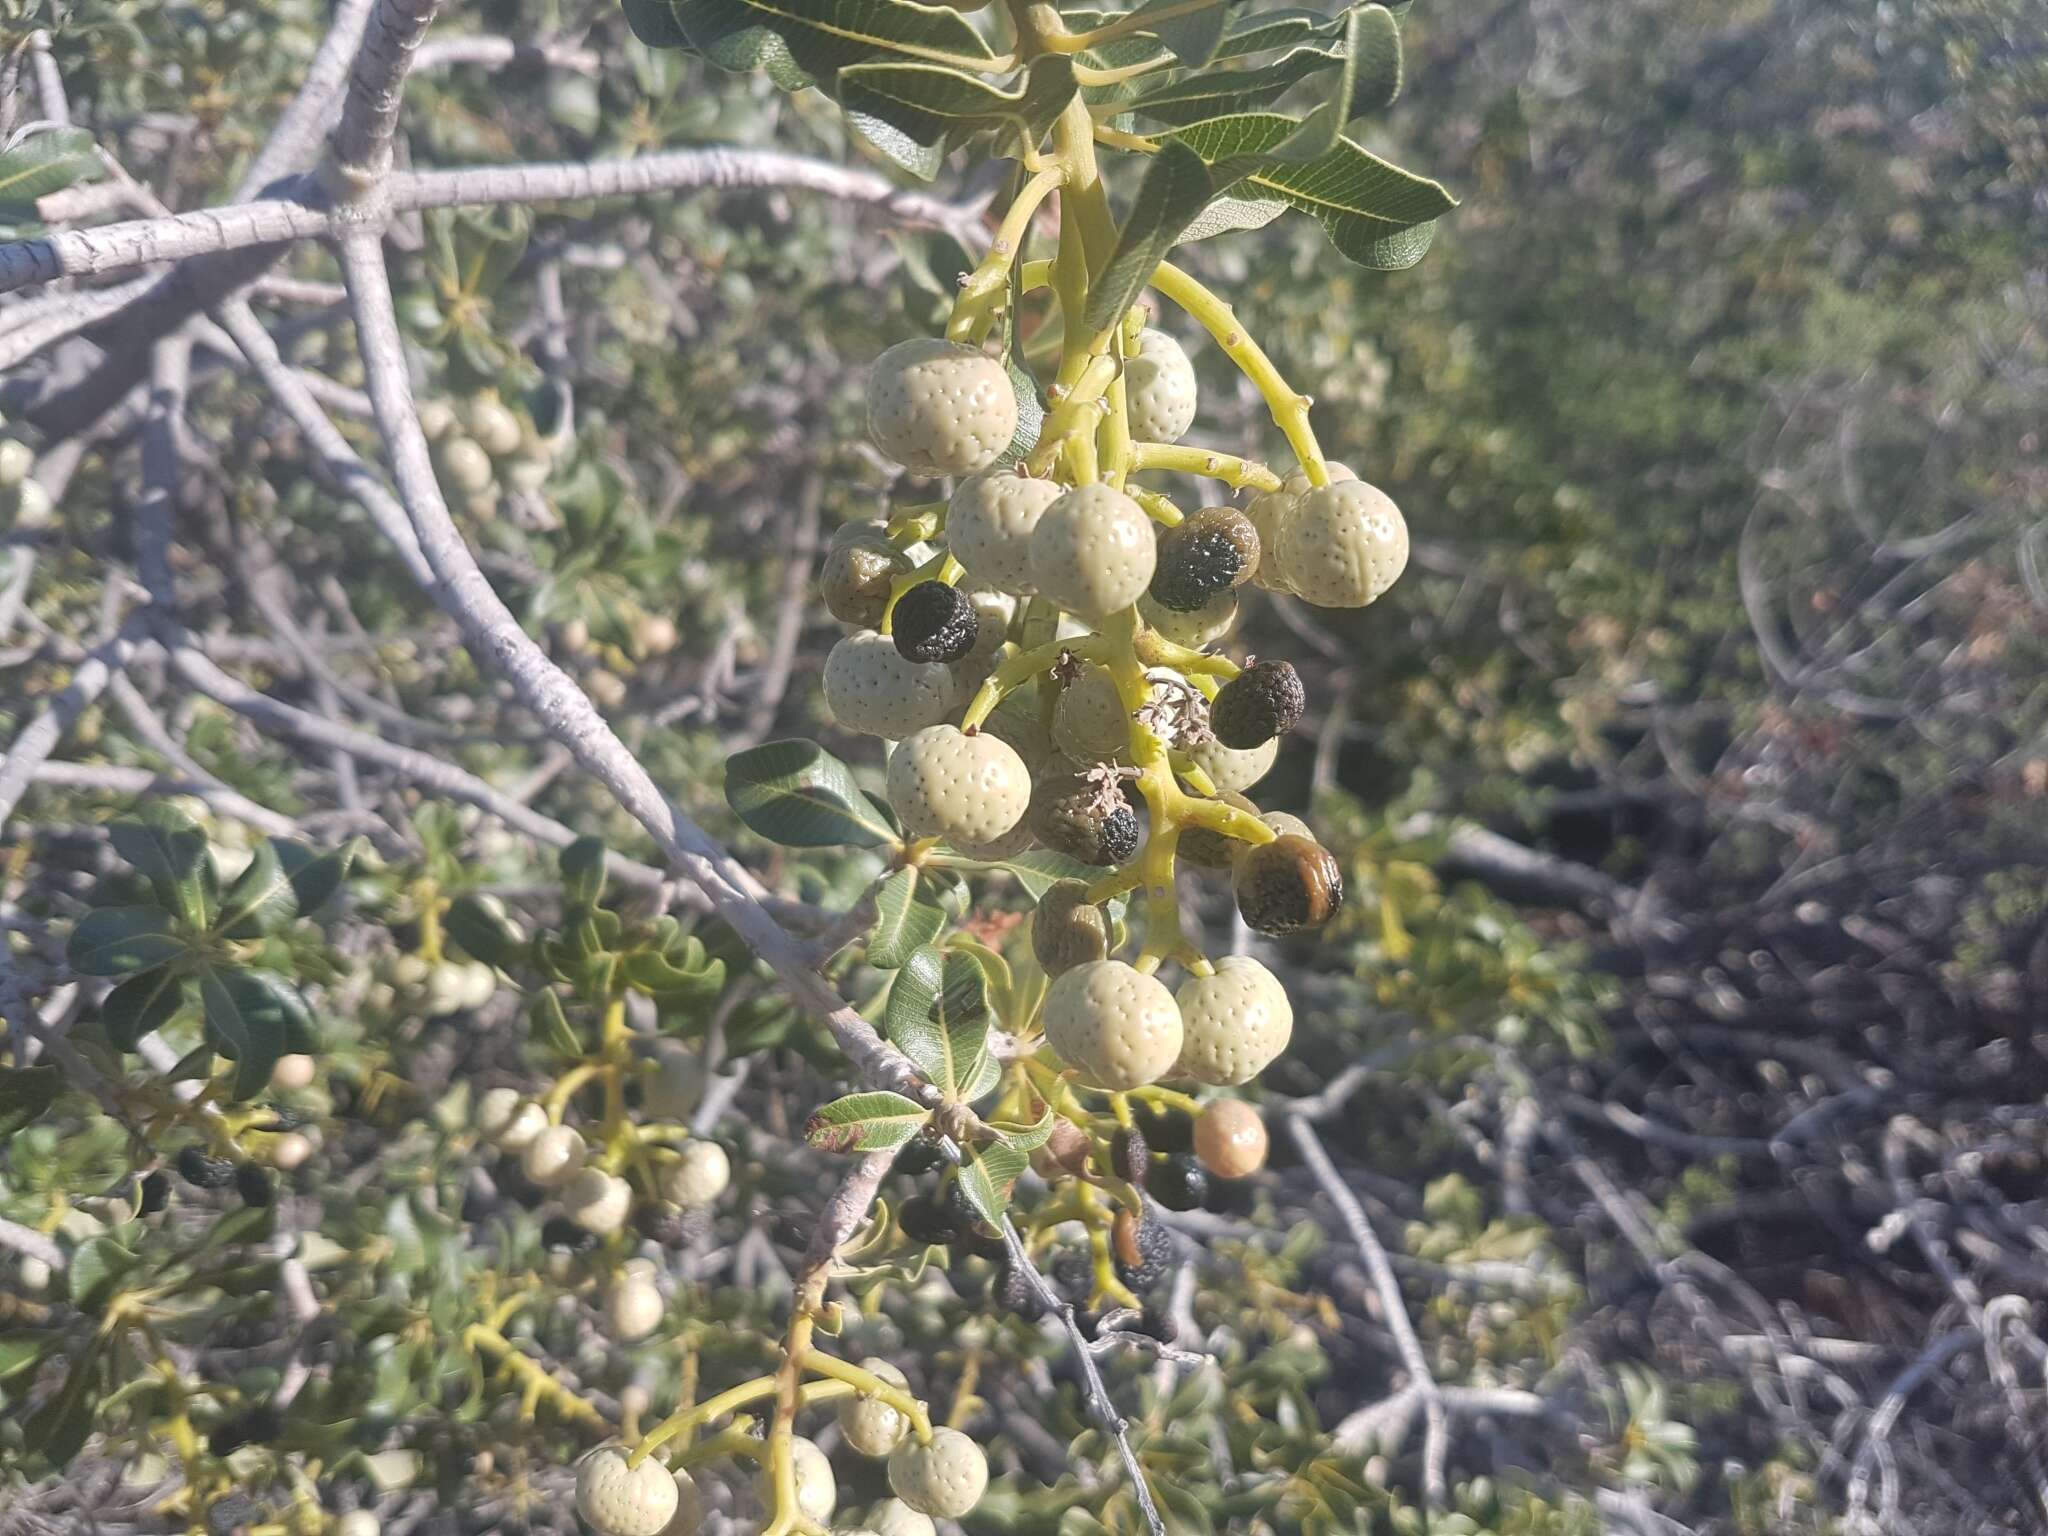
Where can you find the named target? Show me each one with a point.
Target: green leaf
(261, 901)
(58, 1430)
(19, 1351)
(551, 1026)
(679, 975)
(1022, 1137)
(1281, 27)
(253, 1018)
(1376, 45)
(1177, 186)
(26, 1094)
(1190, 30)
(1041, 869)
(1375, 213)
(484, 931)
(897, 147)
(42, 164)
(168, 849)
(807, 42)
(141, 1004)
(583, 874)
(112, 941)
(1228, 214)
(865, 1122)
(799, 795)
(1191, 97)
(938, 1016)
(96, 1269)
(902, 922)
(987, 1177)
(316, 877)
(934, 106)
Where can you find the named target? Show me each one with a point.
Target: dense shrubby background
(1691, 786)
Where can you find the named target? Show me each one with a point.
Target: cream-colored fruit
(16, 460)
(1286, 824)
(597, 1201)
(698, 1176)
(632, 1308)
(817, 1490)
(292, 1074)
(989, 522)
(494, 1110)
(993, 612)
(944, 1479)
(1233, 1023)
(1159, 389)
(1016, 721)
(893, 1517)
(290, 1151)
(623, 1500)
(554, 1156)
(1008, 846)
(463, 463)
(871, 688)
(1296, 483)
(1090, 723)
(1120, 1029)
(1270, 512)
(1093, 551)
(493, 425)
(358, 1522)
(1344, 545)
(674, 1086)
(870, 1425)
(940, 408)
(689, 1507)
(1197, 628)
(1232, 768)
(945, 783)
(523, 1129)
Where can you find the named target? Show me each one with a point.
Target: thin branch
(376, 87)
(486, 52)
(35, 742)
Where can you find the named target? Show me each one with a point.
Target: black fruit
(1213, 551)
(1260, 703)
(1129, 1155)
(973, 1233)
(934, 622)
(918, 1157)
(234, 1512)
(926, 1220)
(195, 1167)
(1165, 1130)
(155, 1193)
(1142, 1249)
(1073, 1276)
(1085, 816)
(257, 1426)
(255, 1185)
(1178, 1183)
(1012, 1291)
(1288, 885)
(561, 1232)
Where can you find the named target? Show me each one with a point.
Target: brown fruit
(1230, 1139)
(1288, 885)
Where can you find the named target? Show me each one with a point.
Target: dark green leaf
(677, 976)
(1190, 29)
(316, 877)
(865, 1122)
(1177, 186)
(987, 1177)
(169, 850)
(1227, 214)
(96, 1270)
(58, 1430)
(1183, 98)
(262, 901)
(19, 1351)
(902, 922)
(583, 874)
(26, 1093)
(1377, 48)
(897, 147)
(938, 1016)
(551, 1026)
(807, 42)
(253, 1018)
(799, 795)
(934, 106)
(112, 941)
(141, 1004)
(484, 931)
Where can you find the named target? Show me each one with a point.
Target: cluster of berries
(482, 446)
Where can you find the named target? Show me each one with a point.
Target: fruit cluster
(482, 446)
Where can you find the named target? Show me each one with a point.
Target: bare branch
(376, 87)
(40, 737)
(498, 52)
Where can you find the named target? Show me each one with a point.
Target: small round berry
(675, 1086)
(870, 1425)
(1093, 551)
(1344, 545)
(554, 1156)
(494, 1110)
(1211, 552)
(632, 1308)
(1016, 721)
(924, 1219)
(934, 622)
(290, 1151)
(1260, 703)
(1201, 627)
(1067, 929)
(34, 1275)
(1142, 1251)
(523, 1129)
(292, 1074)
(1288, 885)
(1296, 483)
(358, 1522)
(893, 1517)
(945, 783)
(1230, 1139)
(871, 688)
(944, 1479)
(598, 1201)
(940, 408)
(1085, 816)
(1090, 722)
(463, 463)
(859, 575)
(1179, 1183)
(1229, 768)
(1115, 1025)
(1270, 512)
(560, 1234)
(1012, 1291)
(255, 1186)
(993, 612)
(16, 460)
(204, 1172)
(232, 1513)
(622, 1500)
(817, 1490)
(1159, 389)
(689, 1507)
(698, 1176)
(988, 528)
(153, 1194)
(1129, 1156)
(1212, 850)
(1284, 824)
(1234, 1022)
(492, 424)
